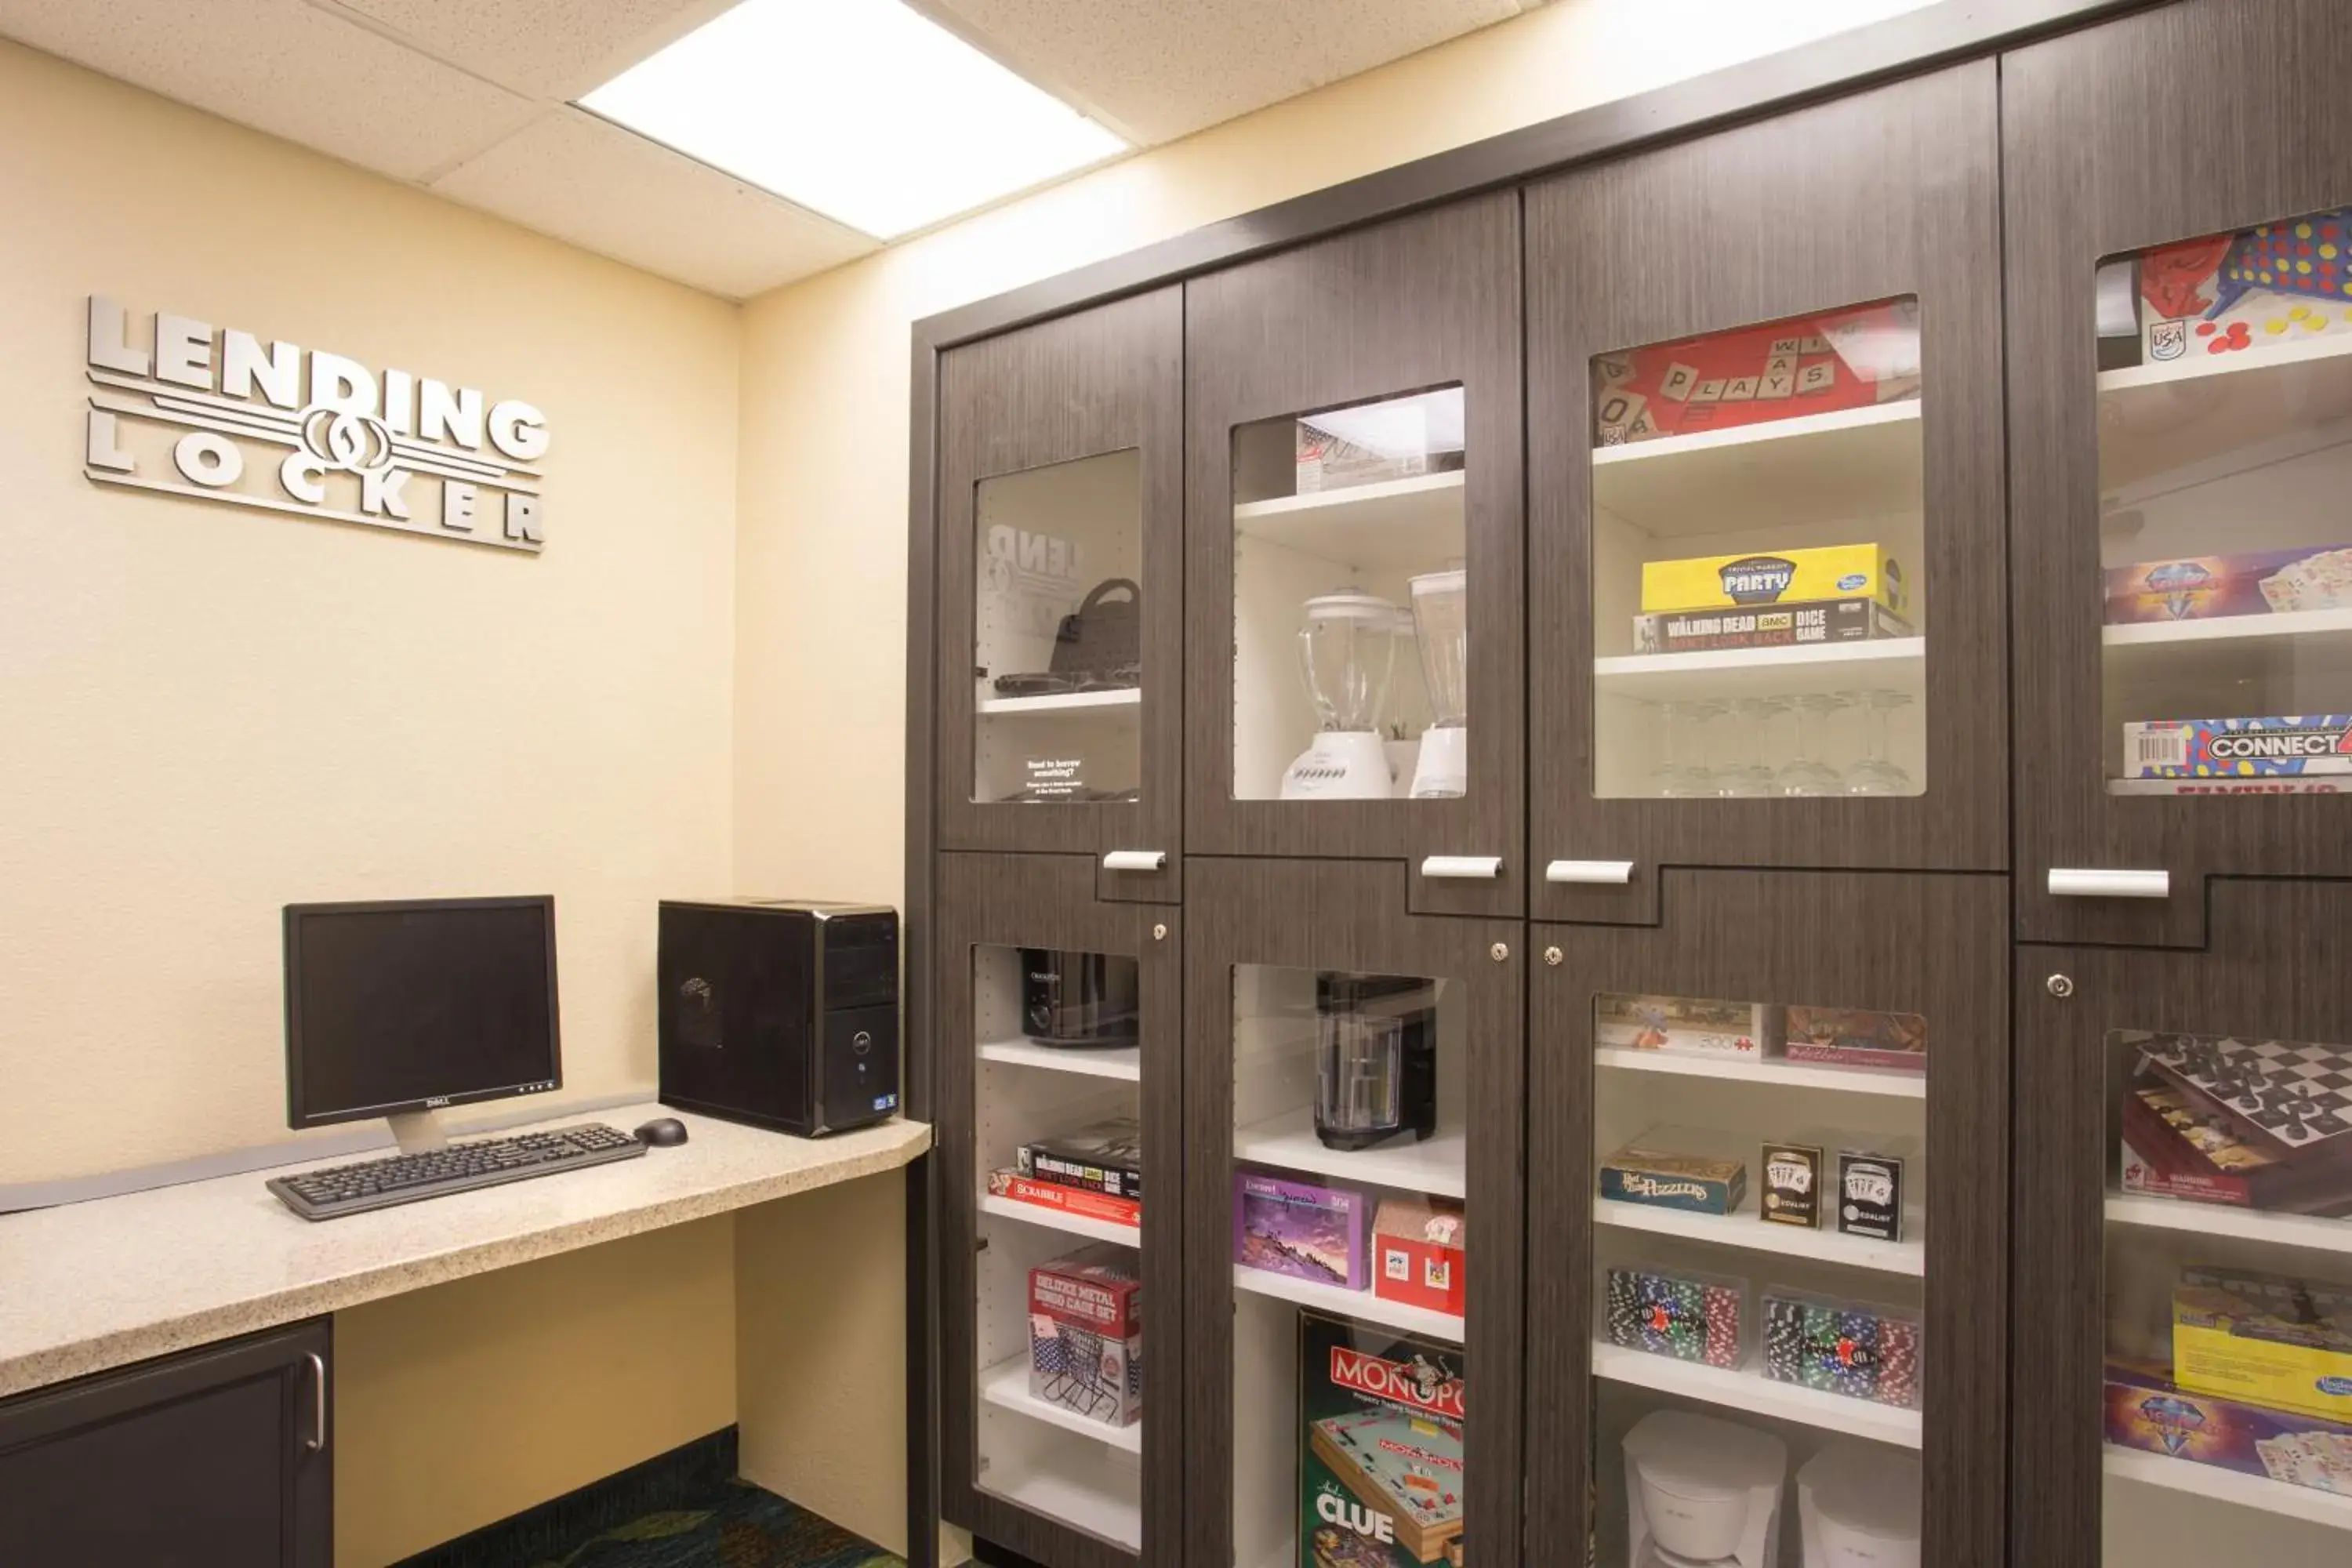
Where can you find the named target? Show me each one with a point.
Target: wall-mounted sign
(226, 415)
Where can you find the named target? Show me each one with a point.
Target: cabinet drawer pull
(1477, 867)
(1596, 871)
(318, 1439)
(2072, 882)
(1136, 860)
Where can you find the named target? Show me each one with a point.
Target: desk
(88, 1287)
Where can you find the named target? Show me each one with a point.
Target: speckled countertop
(89, 1286)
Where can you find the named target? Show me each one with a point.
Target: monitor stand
(417, 1132)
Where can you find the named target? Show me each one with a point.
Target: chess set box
(2258, 1123)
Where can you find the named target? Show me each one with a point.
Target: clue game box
(1380, 1453)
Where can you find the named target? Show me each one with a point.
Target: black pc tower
(781, 1013)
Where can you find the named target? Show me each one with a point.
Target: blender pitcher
(1345, 650)
(1376, 1059)
(1440, 614)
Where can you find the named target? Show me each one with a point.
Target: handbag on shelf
(1099, 646)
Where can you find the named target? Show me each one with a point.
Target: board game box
(1417, 1251)
(1799, 625)
(2259, 1124)
(2316, 785)
(2268, 1347)
(1379, 1459)
(1689, 1317)
(2203, 587)
(2144, 1410)
(1077, 1201)
(2275, 284)
(1675, 1169)
(1682, 1024)
(1853, 358)
(2285, 746)
(1372, 443)
(1854, 1037)
(1085, 1335)
(1860, 572)
(1853, 1348)
(1300, 1229)
(1107, 1158)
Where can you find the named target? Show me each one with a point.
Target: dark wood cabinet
(1060, 495)
(1413, 326)
(1296, 973)
(1046, 1477)
(221, 1458)
(1928, 950)
(2140, 432)
(1876, 214)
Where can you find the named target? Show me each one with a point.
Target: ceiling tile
(553, 50)
(593, 185)
(1154, 72)
(286, 67)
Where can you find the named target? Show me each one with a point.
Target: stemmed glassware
(1877, 774)
(1805, 773)
(1680, 776)
(1747, 775)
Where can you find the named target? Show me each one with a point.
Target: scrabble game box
(1855, 358)
(1683, 1024)
(1086, 1333)
(1852, 1037)
(1798, 625)
(2144, 1410)
(2287, 747)
(1379, 1452)
(1300, 1229)
(2203, 587)
(1832, 572)
(2258, 1123)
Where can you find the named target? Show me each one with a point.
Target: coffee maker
(1858, 1507)
(1075, 1000)
(1376, 1058)
(1702, 1494)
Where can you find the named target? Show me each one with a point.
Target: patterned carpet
(682, 1510)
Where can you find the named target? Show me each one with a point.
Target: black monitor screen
(397, 1008)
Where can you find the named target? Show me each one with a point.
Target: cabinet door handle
(1596, 871)
(1476, 868)
(317, 1438)
(2072, 882)
(1136, 860)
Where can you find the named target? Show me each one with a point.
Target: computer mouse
(663, 1132)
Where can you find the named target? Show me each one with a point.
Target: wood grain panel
(1892, 191)
(2191, 120)
(1048, 901)
(1103, 380)
(2276, 967)
(1424, 301)
(1311, 914)
(1933, 944)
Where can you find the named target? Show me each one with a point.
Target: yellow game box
(1833, 572)
(2231, 1345)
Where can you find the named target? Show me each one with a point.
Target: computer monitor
(395, 1010)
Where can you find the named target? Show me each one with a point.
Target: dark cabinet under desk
(220, 1458)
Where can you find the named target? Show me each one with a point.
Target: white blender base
(1443, 771)
(1342, 764)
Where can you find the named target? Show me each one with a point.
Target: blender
(1376, 1059)
(1345, 650)
(1439, 607)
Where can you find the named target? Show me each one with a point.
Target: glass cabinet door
(1061, 1376)
(1356, 554)
(1765, 509)
(2185, 1283)
(2181, 413)
(1767, 1224)
(1354, 1112)
(1060, 533)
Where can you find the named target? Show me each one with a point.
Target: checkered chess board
(2300, 1094)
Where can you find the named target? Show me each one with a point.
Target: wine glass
(1877, 774)
(1679, 774)
(1747, 774)
(1805, 773)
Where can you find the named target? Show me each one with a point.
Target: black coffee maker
(1376, 1058)
(1079, 1000)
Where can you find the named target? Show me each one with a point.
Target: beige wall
(207, 712)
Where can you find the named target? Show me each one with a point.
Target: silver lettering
(519, 430)
(103, 450)
(302, 476)
(184, 350)
(244, 366)
(344, 385)
(107, 349)
(442, 416)
(522, 518)
(380, 492)
(457, 504)
(209, 459)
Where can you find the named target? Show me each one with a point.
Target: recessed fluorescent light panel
(859, 108)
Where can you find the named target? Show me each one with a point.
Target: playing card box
(1793, 1187)
(1085, 1335)
(1832, 572)
(1870, 1194)
(1675, 1168)
(2146, 1411)
(1798, 625)
(2207, 587)
(1300, 1229)
(1417, 1255)
(1852, 1037)
(2281, 746)
(2262, 1347)
(1683, 1024)
(1105, 1157)
(1380, 1446)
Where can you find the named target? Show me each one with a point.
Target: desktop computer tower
(780, 1013)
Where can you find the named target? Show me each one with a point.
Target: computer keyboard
(340, 1190)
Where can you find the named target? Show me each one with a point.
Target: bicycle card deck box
(1085, 1335)
(1300, 1229)
(1379, 1453)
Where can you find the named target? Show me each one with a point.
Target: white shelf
(1118, 1061)
(1006, 1386)
(2158, 418)
(2230, 628)
(2168, 656)
(1339, 1301)
(1893, 663)
(2226, 1220)
(2227, 1486)
(1816, 468)
(1745, 1230)
(1097, 1504)
(1434, 1165)
(1415, 523)
(1061, 702)
(1056, 1219)
(1769, 1071)
(1751, 1390)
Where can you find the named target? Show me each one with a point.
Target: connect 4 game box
(2261, 287)
(1810, 364)
(2288, 746)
